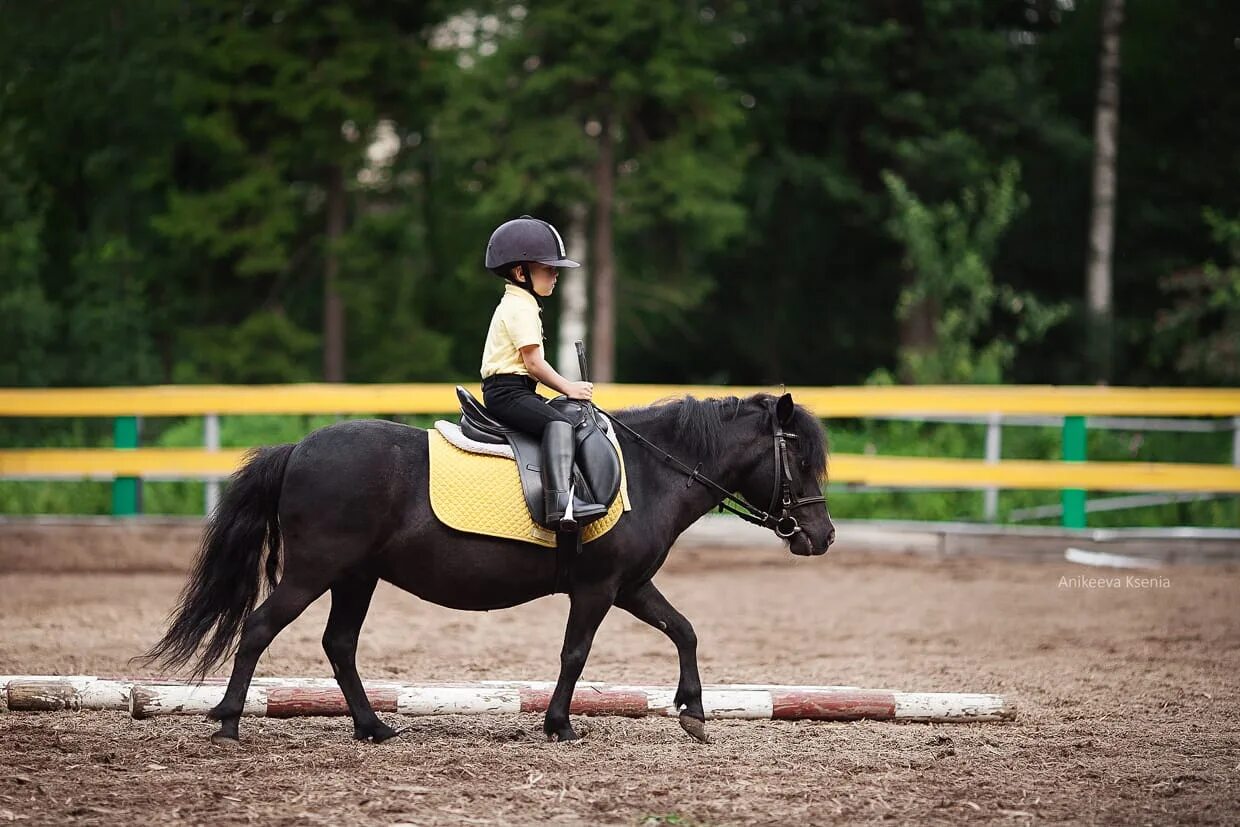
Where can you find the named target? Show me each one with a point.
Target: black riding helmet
(525, 239)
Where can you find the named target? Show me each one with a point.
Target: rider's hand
(580, 390)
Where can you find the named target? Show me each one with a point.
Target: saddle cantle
(596, 469)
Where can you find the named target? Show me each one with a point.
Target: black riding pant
(511, 399)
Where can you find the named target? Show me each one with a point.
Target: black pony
(350, 505)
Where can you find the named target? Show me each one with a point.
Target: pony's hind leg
(648, 605)
(288, 600)
(350, 602)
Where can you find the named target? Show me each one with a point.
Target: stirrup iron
(568, 522)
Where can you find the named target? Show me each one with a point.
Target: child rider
(525, 252)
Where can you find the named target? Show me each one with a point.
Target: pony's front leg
(589, 606)
(647, 604)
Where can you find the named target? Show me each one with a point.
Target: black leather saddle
(597, 466)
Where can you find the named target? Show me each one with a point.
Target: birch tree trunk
(333, 307)
(603, 339)
(1102, 211)
(574, 301)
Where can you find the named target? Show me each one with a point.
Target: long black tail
(225, 583)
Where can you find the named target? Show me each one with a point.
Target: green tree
(28, 348)
(834, 93)
(279, 172)
(208, 192)
(1180, 128)
(83, 151)
(949, 250)
(616, 105)
(1199, 335)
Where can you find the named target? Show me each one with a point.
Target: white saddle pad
(452, 432)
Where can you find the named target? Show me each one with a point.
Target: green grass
(667, 818)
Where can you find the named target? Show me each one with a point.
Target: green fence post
(1073, 499)
(125, 490)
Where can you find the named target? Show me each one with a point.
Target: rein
(785, 525)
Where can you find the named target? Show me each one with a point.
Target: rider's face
(543, 277)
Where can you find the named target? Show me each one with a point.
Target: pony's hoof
(565, 735)
(376, 734)
(223, 739)
(695, 728)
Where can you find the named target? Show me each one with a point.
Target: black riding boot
(558, 449)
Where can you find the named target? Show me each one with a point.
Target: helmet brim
(559, 262)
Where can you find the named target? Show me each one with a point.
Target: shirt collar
(511, 289)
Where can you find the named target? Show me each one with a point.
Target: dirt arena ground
(1128, 705)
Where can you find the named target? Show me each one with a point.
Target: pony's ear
(784, 408)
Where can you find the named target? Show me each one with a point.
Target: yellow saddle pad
(482, 494)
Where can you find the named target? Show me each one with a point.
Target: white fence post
(1235, 441)
(212, 428)
(994, 446)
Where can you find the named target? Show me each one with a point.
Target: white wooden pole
(297, 697)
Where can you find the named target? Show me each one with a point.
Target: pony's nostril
(831, 536)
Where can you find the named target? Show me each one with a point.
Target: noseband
(783, 496)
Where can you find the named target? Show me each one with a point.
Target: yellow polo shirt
(517, 322)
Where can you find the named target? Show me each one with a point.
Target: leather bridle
(785, 525)
(783, 496)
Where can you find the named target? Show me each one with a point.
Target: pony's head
(788, 470)
(773, 452)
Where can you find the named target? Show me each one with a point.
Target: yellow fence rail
(826, 402)
(990, 403)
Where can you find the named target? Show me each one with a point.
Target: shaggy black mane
(698, 424)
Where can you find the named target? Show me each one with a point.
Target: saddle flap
(598, 463)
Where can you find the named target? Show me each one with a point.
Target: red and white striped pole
(297, 697)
